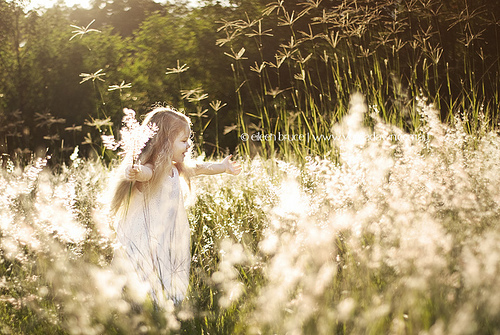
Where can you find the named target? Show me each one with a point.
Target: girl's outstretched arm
(226, 165)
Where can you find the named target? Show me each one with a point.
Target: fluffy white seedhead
(134, 136)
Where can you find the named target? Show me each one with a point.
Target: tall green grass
(298, 65)
(400, 235)
(387, 224)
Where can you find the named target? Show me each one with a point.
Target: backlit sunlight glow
(87, 4)
(368, 135)
(51, 3)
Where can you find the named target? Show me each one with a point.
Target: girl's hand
(139, 172)
(233, 168)
(131, 172)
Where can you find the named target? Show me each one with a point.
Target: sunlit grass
(381, 220)
(390, 51)
(398, 235)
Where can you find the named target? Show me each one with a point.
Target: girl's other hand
(233, 168)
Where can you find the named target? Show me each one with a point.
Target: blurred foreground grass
(398, 235)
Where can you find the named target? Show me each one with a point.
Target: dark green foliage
(390, 50)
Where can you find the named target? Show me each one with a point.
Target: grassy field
(398, 235)
(358, 215)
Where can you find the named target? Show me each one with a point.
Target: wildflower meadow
(367, 131)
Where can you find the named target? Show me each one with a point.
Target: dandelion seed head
(137, 289)
(345, 308)
(134, 136)
(324, 277)
(269, 244)
(74, 157)
(109, 142)
(109, 286)
(43, 291)
(291, 202)
(233, 252)
(10, 247)
(231, 294)
(61, 223)
(463, 322)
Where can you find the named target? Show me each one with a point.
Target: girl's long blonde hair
(157, 152)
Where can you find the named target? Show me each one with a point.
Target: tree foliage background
(61, 86)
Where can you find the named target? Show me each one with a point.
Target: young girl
(153, 226)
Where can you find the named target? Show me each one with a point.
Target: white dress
(155, 235)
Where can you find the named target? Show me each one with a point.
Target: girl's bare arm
(226, 165)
